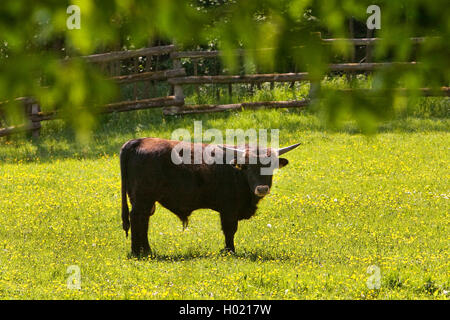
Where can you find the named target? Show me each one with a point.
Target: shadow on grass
(253, 256)
(58, 140)
(177, 257)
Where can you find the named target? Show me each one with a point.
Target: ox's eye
(237, 166)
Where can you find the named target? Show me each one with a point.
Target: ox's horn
(287, 149)
(240, 152)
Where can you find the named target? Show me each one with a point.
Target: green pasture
(346, 202)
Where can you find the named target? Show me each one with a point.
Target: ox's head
(258, 165)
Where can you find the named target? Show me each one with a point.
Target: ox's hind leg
(229, 228)
(139, 218)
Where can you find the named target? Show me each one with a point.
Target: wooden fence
(174, 104)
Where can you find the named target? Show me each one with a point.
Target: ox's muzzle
(261, 191)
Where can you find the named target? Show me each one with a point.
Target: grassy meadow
(345, 202)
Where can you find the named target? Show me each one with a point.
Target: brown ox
(233, 188)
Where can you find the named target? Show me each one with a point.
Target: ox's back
(157, 170)
(181, 188)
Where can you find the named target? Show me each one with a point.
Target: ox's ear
(282, 162)
(235, 164)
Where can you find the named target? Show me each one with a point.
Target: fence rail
(19, 128)
(174, 103)
(116, 107)
(184, 109)
(235, 106)
(368, 41)
(122, 55)
(151, 75)
(249, 78)
(284, 77)
(199, 54)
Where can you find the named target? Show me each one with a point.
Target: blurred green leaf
(34, 40)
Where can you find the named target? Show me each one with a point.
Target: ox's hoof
(227, 251)
(141, 254)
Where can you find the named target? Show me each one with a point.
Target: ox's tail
(124, 155)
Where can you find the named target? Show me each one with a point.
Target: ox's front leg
(229, 227)
(139, 218)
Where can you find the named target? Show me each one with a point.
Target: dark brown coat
(149, 175)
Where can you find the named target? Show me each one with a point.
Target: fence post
(153, 83)
(197, 89)
(351, 26)
(176, 90)
(314, 83)
(368, 58)
(147, 84)
(259, 84)
(35, 109)
(136, 71)
(217, 67)
(32, 109)
(314, 90)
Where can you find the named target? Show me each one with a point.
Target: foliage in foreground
(35, 39)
